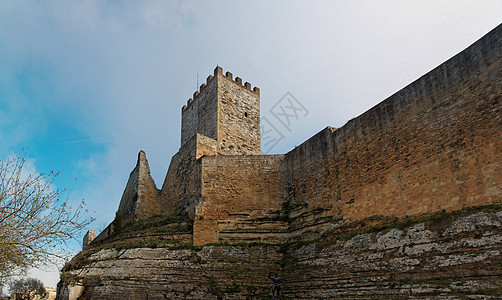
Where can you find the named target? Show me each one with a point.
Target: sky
(85, 85)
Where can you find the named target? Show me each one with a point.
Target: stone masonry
(226, 215)
(435, 145)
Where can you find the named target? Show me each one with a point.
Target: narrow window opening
(246, 114)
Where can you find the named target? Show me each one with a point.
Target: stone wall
(242, 199)
(238, 117)
(88, 238)
(200, 115)
(312, 190)
(181, 188)
(434, 145)
(141, 198)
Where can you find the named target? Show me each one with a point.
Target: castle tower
(223, 117)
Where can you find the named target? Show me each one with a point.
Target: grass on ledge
(434, 219)
(347, 232)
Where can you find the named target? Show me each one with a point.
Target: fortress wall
(309, 187)
(181, 187)
(239, 118)
(436, 144)
(128, 206)
(243, 194)
(149, 203)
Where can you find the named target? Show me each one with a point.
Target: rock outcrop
(449, 255)
(445, 257)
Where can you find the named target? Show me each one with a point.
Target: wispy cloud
(87, 140)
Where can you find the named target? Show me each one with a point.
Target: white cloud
(48, 275)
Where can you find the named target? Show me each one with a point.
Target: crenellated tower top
(219, 71)
(226, 111)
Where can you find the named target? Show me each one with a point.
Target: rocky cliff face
(212, 272)
(452, 255)
(439, 258)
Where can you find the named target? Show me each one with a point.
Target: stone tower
(223, 117)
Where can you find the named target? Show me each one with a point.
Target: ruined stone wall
(238, 116)
(129, 202)
(181, 188)
(141, 198)
(88, 238)
(434, 145)
(242, 199)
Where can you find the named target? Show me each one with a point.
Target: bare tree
(36, 220)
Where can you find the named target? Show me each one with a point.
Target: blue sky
(85, 85)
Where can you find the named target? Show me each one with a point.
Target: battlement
(226, 110)
(197, 93)
(218, 71)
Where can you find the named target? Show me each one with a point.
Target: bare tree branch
(36, 220)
